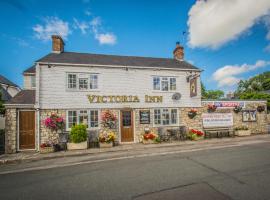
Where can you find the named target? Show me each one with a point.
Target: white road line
(127, 157)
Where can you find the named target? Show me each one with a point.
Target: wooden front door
(27, 130)
(126, 117)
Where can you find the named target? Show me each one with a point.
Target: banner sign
(229, 104)
(217, 119)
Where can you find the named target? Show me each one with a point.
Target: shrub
(78, 133)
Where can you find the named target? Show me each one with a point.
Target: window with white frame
(88, 117)
(93, 81)
(164, 83)
(33, 81)
(72, 81)
(79, 81)
(165, 116)
(83, 83)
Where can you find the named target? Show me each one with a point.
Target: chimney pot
(57, 44)
(178, 52)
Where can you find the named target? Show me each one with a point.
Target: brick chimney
(57, 44)
(178, 52)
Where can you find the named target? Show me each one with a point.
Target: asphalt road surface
(229, 173)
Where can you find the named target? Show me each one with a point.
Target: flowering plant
(54, 122)
(108, 119)
(260, 108)
(192, 113)
(211, 107)
(46, 144)
(149, 136)
(237, 109)
(195, 134)
(107, 136)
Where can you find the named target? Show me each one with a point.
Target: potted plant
(46, 147)
(211, 107)
(195, 134)
(106, 138)
(242, 131)
(260, 108)
(149, 137)
(192, 113)
(237, 109)
(78, 137)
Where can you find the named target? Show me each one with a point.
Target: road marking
(128, 157)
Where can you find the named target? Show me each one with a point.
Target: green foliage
(78, 133)
(2, 108)
(257, 96)
(258, 83)
(211, 94)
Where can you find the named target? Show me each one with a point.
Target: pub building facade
(142, 92)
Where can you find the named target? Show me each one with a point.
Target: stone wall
(46, 135)
(11, 130)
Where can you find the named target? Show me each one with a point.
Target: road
(236, 172)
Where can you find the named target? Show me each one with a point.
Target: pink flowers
(108, 119)
(54, 122)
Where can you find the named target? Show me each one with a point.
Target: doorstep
(31, 156)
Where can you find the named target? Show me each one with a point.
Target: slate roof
(23, 97)
(101, 59)
(5, 81)
(31, 70)
(4, 94)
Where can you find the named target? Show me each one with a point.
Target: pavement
(228, 168)
(31, 156)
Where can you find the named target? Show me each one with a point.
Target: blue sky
(229, 40)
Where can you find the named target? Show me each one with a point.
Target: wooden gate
(26, 130)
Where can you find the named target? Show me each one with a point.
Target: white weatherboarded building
(141, 91)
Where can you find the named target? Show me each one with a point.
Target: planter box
(105, 145)
(148, 142)
(77, 146)
(241, 133)
(46, 150)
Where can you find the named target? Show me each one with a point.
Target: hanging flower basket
(211, 108)
(108, 119)
(237, 109)
(260, 108)
(54, 122)
(192, 113)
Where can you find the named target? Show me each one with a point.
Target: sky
(229, 40)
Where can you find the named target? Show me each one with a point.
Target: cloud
(83, 26)
(52, 25)
(106, 38)
(227, 75)
(87, 12)
(213, 23)
(101, 36)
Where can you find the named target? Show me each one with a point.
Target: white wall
(27, 82)
(112, 81)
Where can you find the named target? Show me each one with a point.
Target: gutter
(117, 66)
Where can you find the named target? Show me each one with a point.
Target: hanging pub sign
(144, 116)
(193, 87)
(229, 104)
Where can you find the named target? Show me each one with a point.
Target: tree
(257, 96)
(211, 94)
(2, 108)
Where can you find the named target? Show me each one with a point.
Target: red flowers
(54, 122)
(108, 119)
(193, 110)
(149, 136)
(212, 107)
(43, 145)
(197, 132)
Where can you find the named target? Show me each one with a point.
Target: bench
(218, 132)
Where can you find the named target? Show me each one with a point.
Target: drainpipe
(37, 103)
